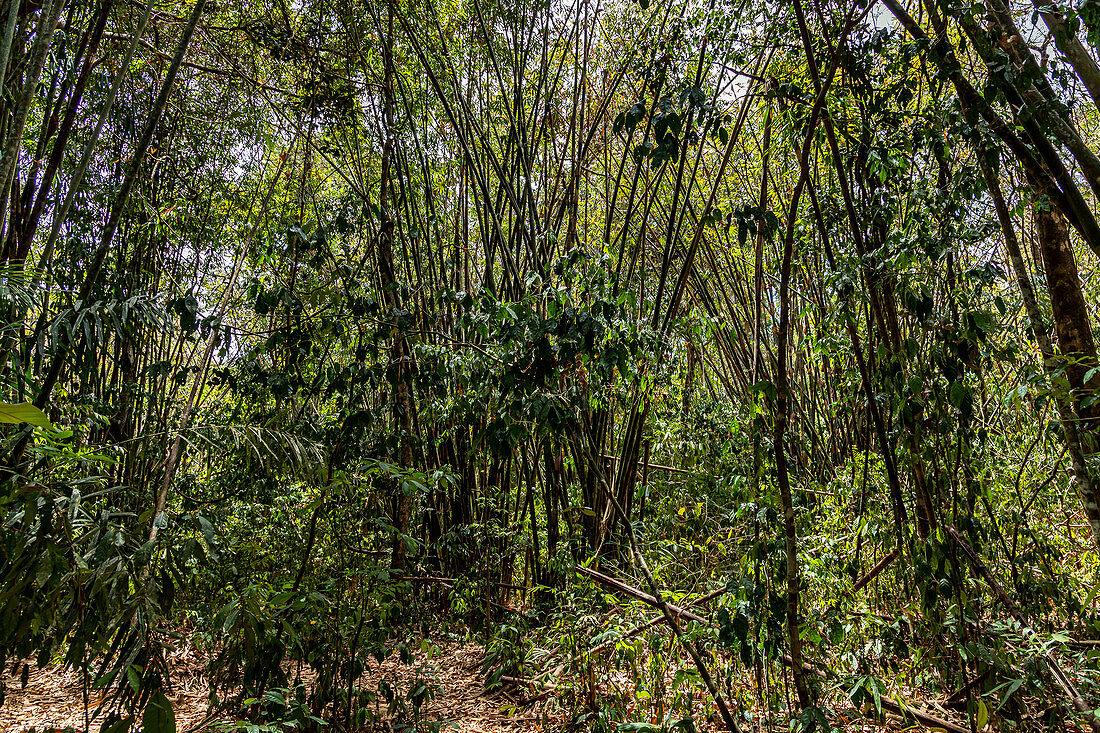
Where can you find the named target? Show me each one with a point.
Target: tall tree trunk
(399, 356)
(1086, 482)
(1072, 326)
(782, 415)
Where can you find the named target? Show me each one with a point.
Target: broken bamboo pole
(654, 621)
(628, 590)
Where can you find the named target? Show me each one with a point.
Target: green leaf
(122, 725)
(158, 717)
(275, 696)
(958, 395)
(1012, 687)
(24, 413)
(813, 718)
(983, 715)
(133, 676)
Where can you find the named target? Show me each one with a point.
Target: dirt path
(460, 700)
(54, 698)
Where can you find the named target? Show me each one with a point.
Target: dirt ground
(54, 697)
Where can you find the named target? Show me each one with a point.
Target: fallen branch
(873, 572)
(666, 611)
(629, 590)
(871, 575)
(546, 688)
(986, 574)
(653, 622)
(806, 667)
(599, 648)
(920, 716)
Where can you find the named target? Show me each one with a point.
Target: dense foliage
(333, 330)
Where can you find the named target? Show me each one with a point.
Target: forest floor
(54, 696)
(53, 699)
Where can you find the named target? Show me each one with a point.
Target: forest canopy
(705, 366)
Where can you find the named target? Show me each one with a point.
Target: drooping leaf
(159, 716)
(24, 413)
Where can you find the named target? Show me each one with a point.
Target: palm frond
(19, 287)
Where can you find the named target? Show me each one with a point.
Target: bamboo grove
(331, 327)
